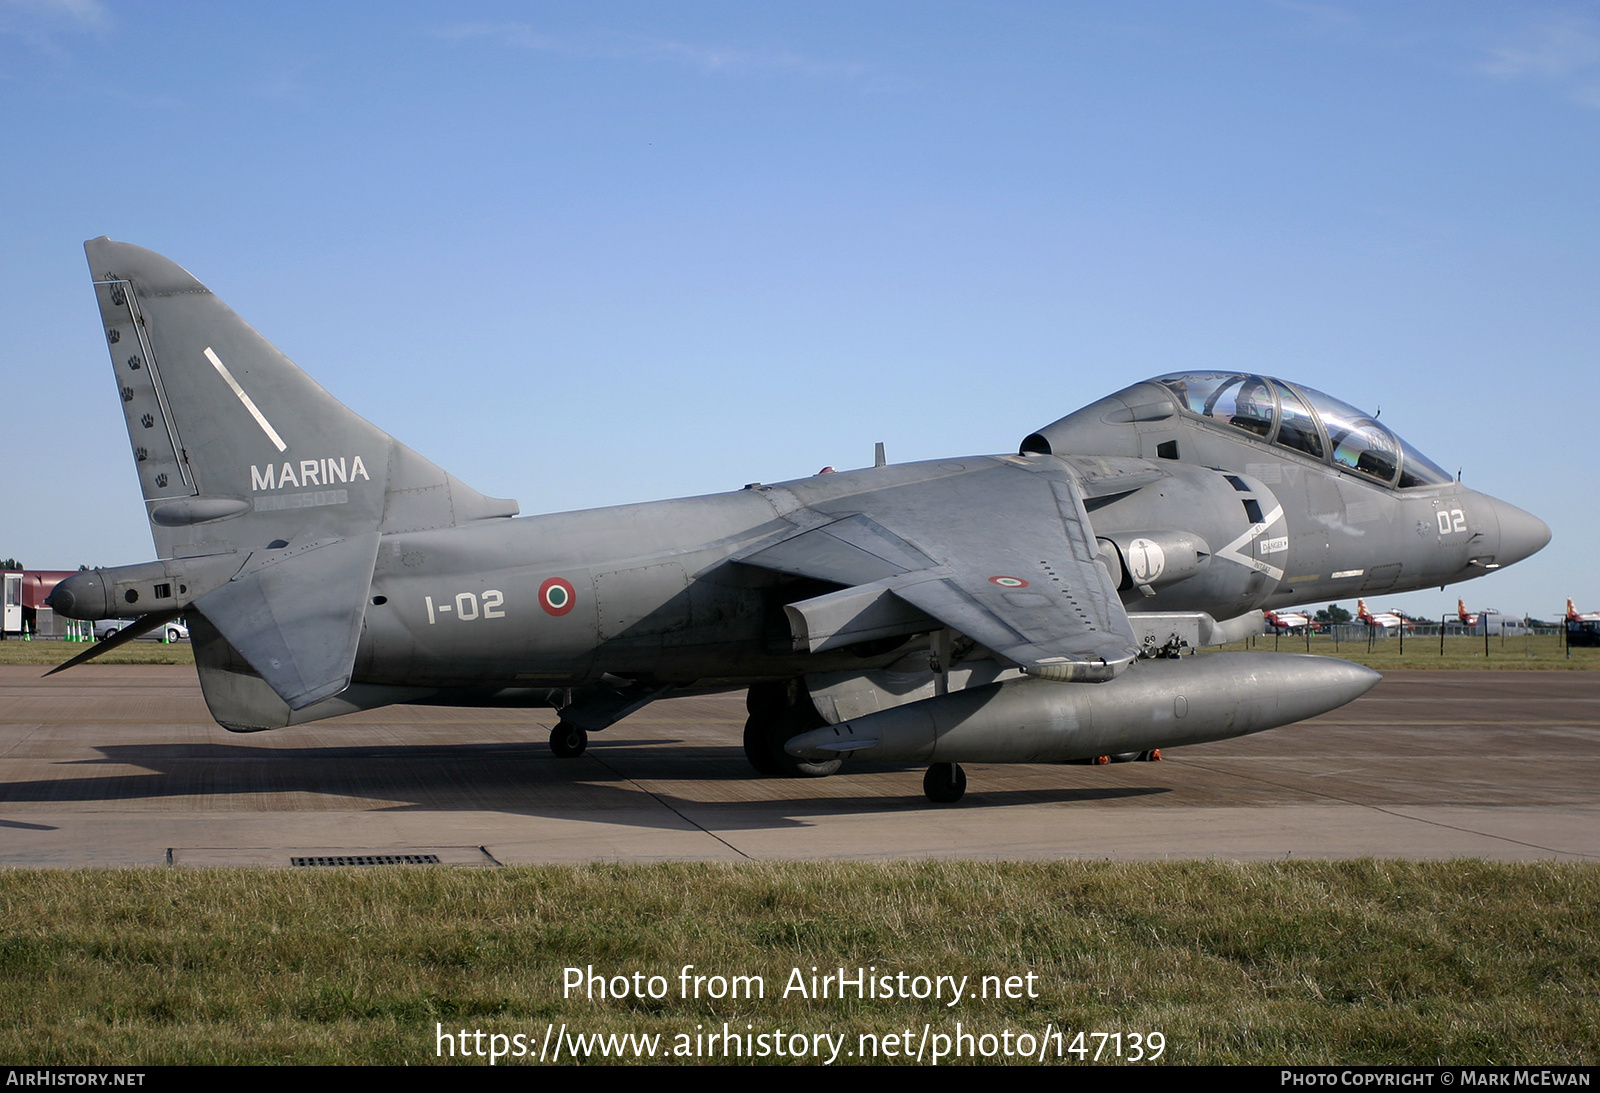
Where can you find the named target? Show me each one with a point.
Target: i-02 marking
(467, 606)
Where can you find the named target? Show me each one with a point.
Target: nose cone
(80, 596)
(61, 600)
(1348, 682)
(1521, 533)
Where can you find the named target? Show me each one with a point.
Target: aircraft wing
(1004, 556)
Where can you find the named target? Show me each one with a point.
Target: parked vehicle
(167, 632)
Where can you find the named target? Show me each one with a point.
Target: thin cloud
(74, 14)
(41, 22)
(1563, 53)
(716, 59)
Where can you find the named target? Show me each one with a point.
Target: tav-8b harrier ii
(1024, 607)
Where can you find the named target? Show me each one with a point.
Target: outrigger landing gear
(568, 741)
(780, 711)
(598, 706)
(944, 783)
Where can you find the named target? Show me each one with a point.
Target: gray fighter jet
(1023, 607)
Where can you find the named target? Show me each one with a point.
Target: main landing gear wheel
(758, 750)
(944, 783)
(780, 711)
(568, 741)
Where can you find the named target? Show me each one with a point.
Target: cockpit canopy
(1257, 409)
(1305, 420)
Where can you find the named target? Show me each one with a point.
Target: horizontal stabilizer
(297, 618)
(136, 629)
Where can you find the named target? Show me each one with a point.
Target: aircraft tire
(945, 783)
(763, 746)
(809, 768)
(568, 741)
(778, 713)
(758, 748)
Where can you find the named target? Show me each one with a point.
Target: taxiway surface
(114, 765)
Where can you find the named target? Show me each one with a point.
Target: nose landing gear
(944, 783)
(568, 741)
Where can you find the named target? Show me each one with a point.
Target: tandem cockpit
(1240, 406)
(1307, 421)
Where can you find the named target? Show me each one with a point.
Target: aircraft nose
(1521, 533)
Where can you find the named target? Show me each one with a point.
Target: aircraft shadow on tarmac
(614, 782)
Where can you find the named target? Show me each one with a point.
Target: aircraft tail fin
(236, 448)
(1572, 612)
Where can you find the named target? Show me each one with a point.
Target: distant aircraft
(1386, 619)
(1582, 629)
(1019, 607)
(1489, 621)
(1287, 621)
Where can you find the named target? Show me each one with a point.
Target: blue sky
(589, 253)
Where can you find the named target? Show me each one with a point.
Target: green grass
(1537, 653)
(134, 652)
(1543, 653)
(1336, 963)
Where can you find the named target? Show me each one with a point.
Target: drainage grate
(369, 859)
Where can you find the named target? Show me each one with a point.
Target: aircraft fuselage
(576, 603)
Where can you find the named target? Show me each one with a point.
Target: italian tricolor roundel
(556, 596)
(1009, 582)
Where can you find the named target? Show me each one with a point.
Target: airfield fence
(1424, 643)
